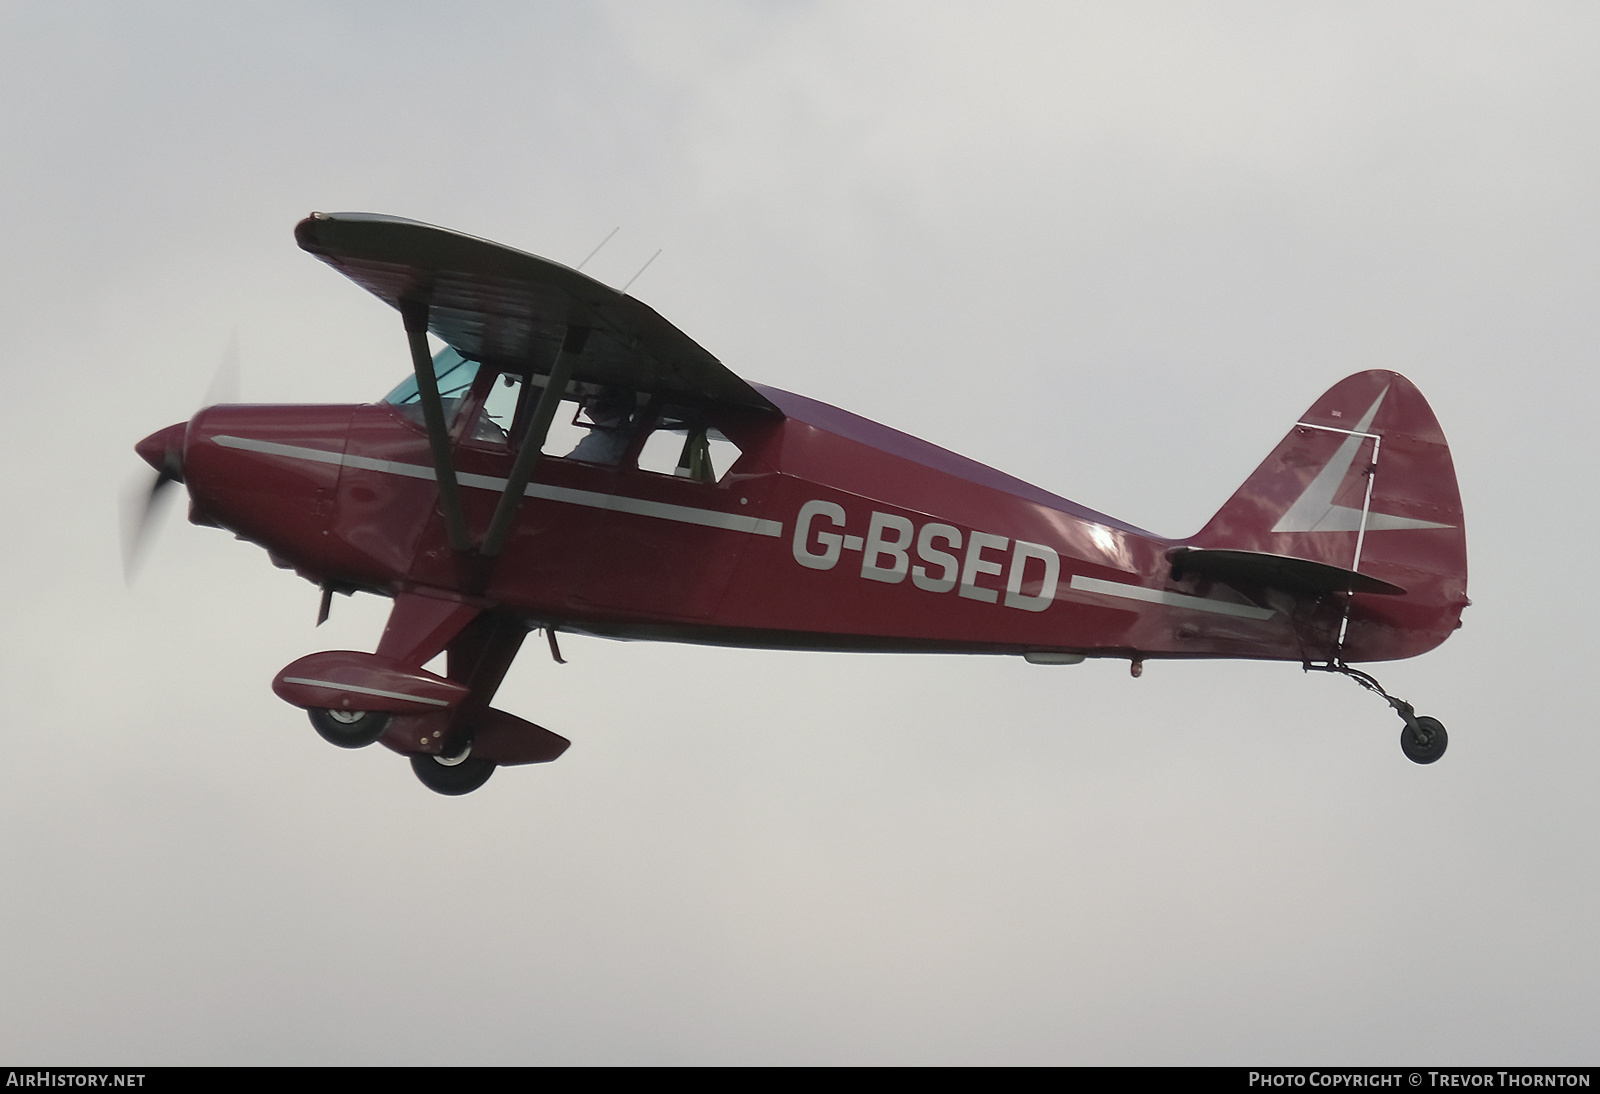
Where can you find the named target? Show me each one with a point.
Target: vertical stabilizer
(1363, 481)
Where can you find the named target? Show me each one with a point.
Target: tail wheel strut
(1423, 739)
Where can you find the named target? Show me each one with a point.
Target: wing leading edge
(505, 307)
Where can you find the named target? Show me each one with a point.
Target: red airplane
(697, 507)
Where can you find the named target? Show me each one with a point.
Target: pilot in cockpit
(609, 415)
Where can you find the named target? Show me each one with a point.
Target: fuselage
(828, 532)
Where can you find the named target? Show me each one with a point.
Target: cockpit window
(594, 424)
(683, 445)
(608, 419)
(455, 375)
(499, 411)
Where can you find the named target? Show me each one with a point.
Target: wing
(504, 307)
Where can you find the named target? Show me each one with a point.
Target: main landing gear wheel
(453, 775)
(1424, 741)
(349, 728)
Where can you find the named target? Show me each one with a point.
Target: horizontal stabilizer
(1295, 575)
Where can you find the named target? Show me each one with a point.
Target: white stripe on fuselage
(683, 514)
(710, 518)
(1172, 600)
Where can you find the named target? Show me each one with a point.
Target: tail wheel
(349, 728)
(1425, 741)
(452, 775)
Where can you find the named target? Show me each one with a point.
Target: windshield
(455, 375)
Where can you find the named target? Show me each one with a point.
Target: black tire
(1426, 746)
(349, 728)
(462, 777)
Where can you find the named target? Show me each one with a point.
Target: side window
(499, 411)
(683, 445)
(565, 433)
(597, 427)
(591, 426)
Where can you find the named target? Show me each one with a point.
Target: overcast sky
(1112, 249)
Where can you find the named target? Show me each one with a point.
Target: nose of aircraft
(163, 450)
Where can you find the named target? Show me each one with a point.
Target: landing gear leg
(1423, 739)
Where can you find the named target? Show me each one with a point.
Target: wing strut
(533, 440)
(415, 314)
